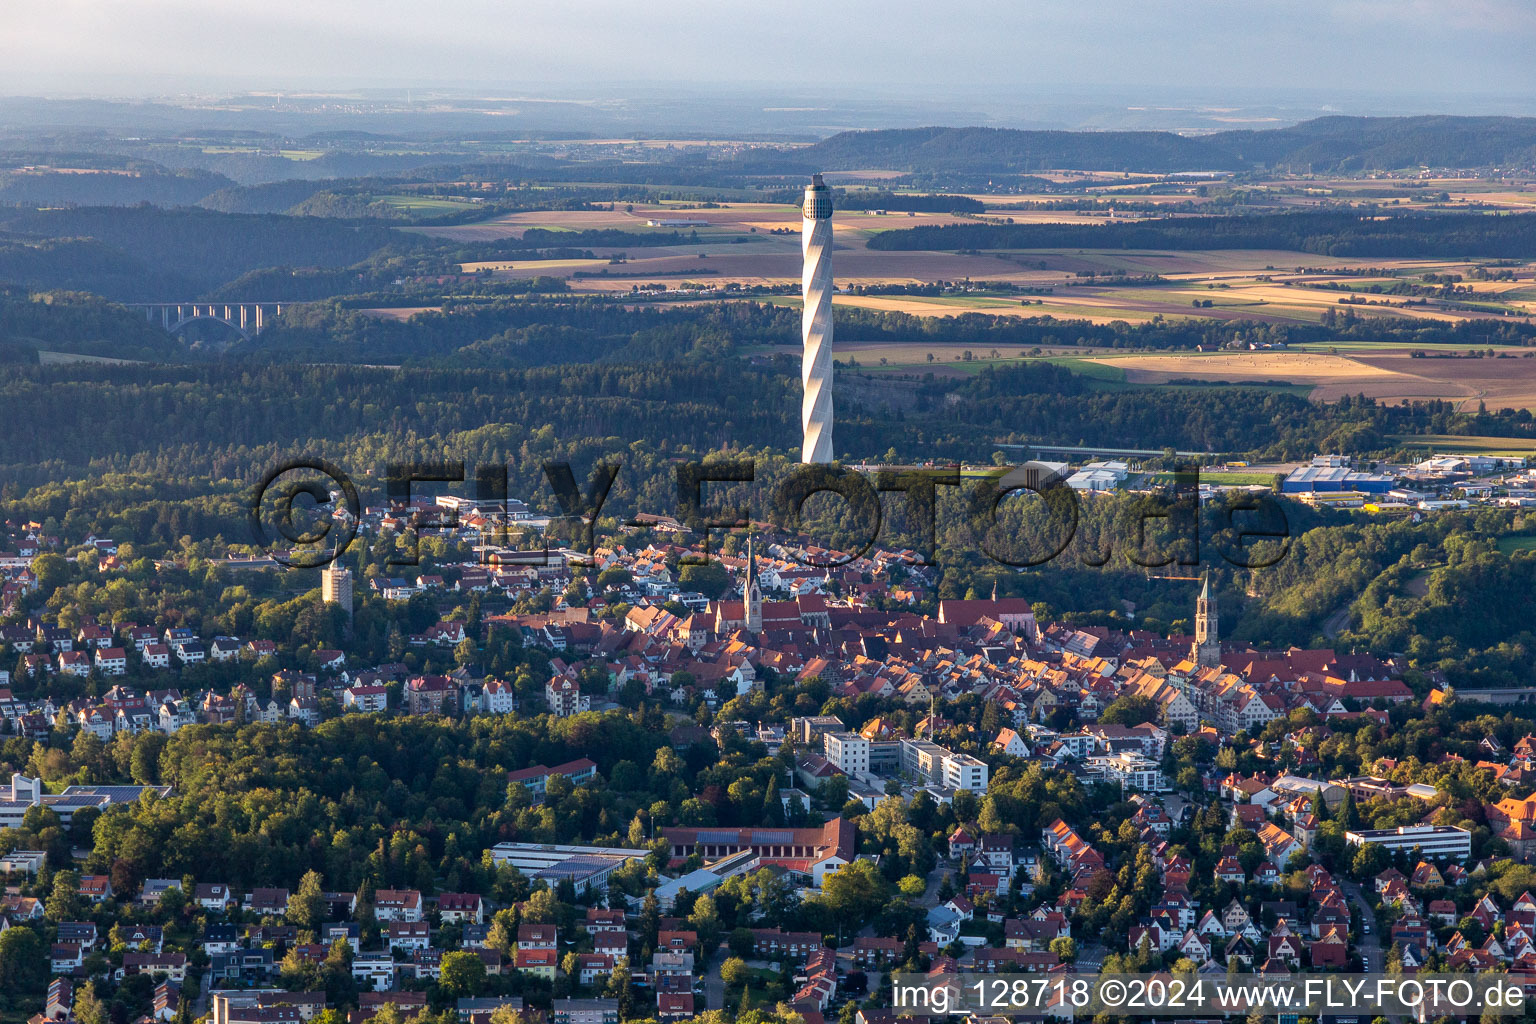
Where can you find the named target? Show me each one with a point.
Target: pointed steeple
(1206, 650)
(752, 592)
(994, 590)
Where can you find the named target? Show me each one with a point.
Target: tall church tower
(752, 593)
(1206, 650)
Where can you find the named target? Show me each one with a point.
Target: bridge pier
(249, 318)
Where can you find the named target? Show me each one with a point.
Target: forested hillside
(198, 246)
(87, 265)
(1008, 150)
(132, 183)
(79, 323)
(1360, 143)
(1322, 144)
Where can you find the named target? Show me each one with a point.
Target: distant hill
(1007, 150)
(1323, 144)
(80, 324)
(128, 252)
(85, 265)
(1370, 143)
(272, 197)
(56, 179)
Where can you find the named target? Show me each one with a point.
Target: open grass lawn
(1517, 542)
(425, 204)
(1236, 479)
(1089, 368)
(765, 987)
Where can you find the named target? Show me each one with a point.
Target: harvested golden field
(917, 305)
(1293, 366)
(398, 312)
(757, 263)
(1392, 375)
(758, 244)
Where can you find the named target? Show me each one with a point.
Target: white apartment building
(1131, 770)
(848, 751)
(942, 767)
(1438, 841)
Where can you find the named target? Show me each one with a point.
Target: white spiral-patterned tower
(816, 323)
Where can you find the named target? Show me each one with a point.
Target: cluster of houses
(244, 961)
(851, 629)
(864, 640)
(47, 649)
(1316, 934)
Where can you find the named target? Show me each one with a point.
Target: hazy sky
(1434, 48)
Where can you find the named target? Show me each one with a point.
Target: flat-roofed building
(942, 767)
(584, 1011)
(1438, 841)
(22, 862)
(1132, 770)
(848, 751)
(587, 867)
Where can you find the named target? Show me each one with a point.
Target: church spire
(752, 592)
(1206, 650)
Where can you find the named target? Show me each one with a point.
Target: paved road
(1090, 957)
(1370, 945)
(714, 985)
(204, 993)
(943, 867)
(1336, 623)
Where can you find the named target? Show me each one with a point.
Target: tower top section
(818, 200)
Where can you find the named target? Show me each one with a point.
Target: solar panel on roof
(727, 836)
(760, 836)
(580, 863)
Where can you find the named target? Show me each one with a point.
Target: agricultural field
(398, 312)
(725, 220)
(736, 243)
(1472, 445)
(1388, 374)
(425, 204)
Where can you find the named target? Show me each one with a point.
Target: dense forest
(228, 420)
(77, 323)
(199, 248)
(1508, 236)
(502, 332)
(133, 182)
